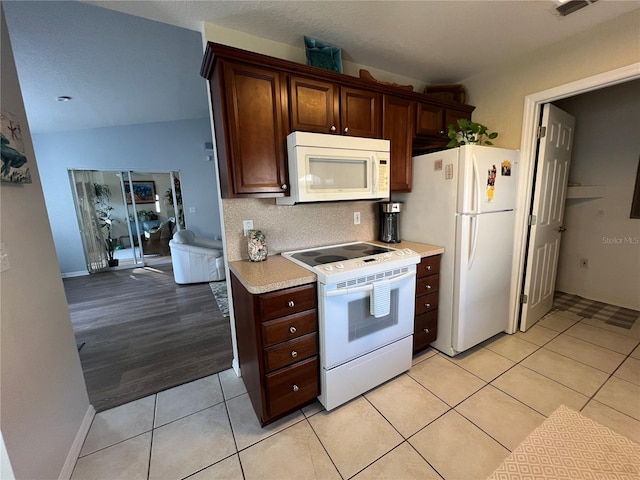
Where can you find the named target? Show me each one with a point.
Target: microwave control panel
(383, 175)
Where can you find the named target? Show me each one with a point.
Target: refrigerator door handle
(476, 194)
(473, 220)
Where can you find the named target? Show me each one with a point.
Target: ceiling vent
(571, 6)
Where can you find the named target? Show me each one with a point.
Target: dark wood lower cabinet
(277, 335)
(425, 329)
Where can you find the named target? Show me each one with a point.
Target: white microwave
(326, 168)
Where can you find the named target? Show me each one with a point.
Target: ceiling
(122, 69)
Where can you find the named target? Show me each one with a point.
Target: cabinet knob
(295, 388)
(426, 330)
(428, 305)
(428, 267)
(441, 132)
(333, 128)
(284, 186)
(294, 354)
(428, 287)
(291, 304)
(346, 130)
(293, 329)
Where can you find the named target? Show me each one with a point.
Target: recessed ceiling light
(63, 98)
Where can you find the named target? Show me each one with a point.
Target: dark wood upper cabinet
(360, 113)
(314, 105)
(249, 119)
(258, 100)
(429, 120)
(398, 118)
(327, 107)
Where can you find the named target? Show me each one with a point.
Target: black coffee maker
(390, 222)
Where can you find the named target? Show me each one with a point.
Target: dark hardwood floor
(143, 333)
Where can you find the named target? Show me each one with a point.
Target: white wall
(42, 390)
(499, 93)
(605, 152)
(162, 146)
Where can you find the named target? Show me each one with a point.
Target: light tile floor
(453, 418)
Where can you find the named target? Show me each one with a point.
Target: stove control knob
(408, 251)
(328, 268)
(400, 253)
(339, 266)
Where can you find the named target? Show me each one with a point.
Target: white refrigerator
(464, 199)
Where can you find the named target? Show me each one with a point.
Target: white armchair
(196, 260)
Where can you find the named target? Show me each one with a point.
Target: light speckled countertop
(277, 272)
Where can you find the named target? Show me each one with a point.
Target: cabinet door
(314, 105)
(398, 116)
(360, 113)
(256, 134)
(452, 117)
(430, 120)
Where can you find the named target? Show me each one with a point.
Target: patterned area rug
(618, 316)
(219, 290)
(569, 445)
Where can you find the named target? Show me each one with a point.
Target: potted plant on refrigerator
(469, 133)
(104, 209)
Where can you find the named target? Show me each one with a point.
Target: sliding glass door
(126, 218)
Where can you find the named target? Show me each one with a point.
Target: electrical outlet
(584, 263)
(246, 226)
(356, 218)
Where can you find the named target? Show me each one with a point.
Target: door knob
(561, 229)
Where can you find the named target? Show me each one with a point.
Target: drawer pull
(428, 305)
(291, 304)
(426, 330)
(428, 267)
(428, 287)
(294, 354)
(295, 388)
(293, 329)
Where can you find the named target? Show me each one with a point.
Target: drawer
(293, 386)
(425, 330)
(428, 266)
(426, 303)
(286, 353)
(427, 285)
(291, 326)
(288, 301)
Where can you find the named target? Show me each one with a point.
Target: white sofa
(196, 260)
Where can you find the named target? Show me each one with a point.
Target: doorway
(126, 218)
(533, 106)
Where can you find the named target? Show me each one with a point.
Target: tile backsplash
(298, 226)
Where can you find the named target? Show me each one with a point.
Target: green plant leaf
(493, 135)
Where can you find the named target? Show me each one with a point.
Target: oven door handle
(368, 286)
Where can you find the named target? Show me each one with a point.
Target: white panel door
(554, 157)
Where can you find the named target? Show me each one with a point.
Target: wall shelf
(586, 191)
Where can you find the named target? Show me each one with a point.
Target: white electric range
(366, 301)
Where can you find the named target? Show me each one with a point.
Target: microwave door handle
(368, 286)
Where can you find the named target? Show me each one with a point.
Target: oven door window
(362, 323)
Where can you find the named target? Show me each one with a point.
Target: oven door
(348, 329)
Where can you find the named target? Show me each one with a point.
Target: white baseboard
(76, 447)
(80, 273)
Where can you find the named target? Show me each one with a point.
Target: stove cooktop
(338, 253)
(335, 263)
